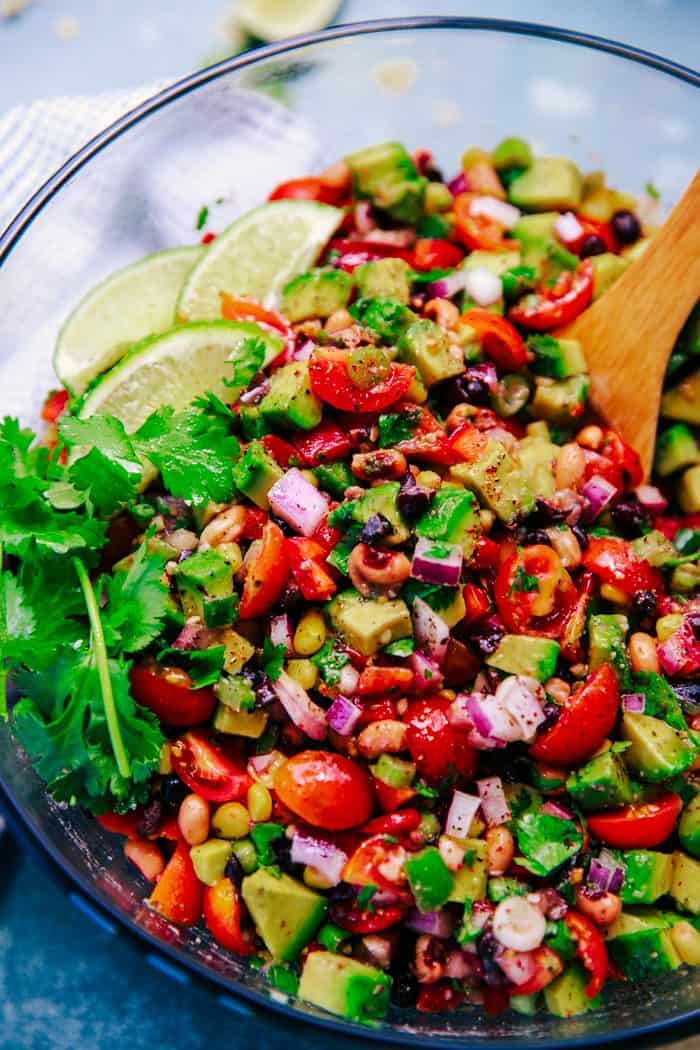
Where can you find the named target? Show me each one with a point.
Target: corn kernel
(668, 625)
(613, 594)
(303, 672)
(310, 634)
(165, 766)
(315, 880)
(231, 821)
(259, 803)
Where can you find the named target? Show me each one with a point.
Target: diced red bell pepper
(487, 554)
(393, 823)
(556, 306)
(326, 443)
(433, 253)
(121, 823)
(280, 450)
(267, 574)
(326, 535)
(222, 914)
(477, 602)
(178, 893)
(307, 560)
(54, 405)
(378, 711)
(390, 798)
(384, 681)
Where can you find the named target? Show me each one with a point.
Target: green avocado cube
(470, 881)
(537, 458)
(603, 783)
(210, 859)
(430, 879)
(566, 995)
(368, 625)
(255, 473)
(290, 401)
(344, 986)
(424, 345)
(560, 400)
(453, 517)
(381, 499)
(384, 279)
(556, 358)
(607, 267)
(685, 882)
(335, 478)
(645, 951)
(285, 912)
(689, 490)
(497, 262)
(689, 827)
(386, 175)
(205, 586)
(525, 655)
(647, 875)
(550, 182)
(498, 482)
(657, 751)
(676, 448)
(512, 153)
(536, 236)
(607, 634)
(318, 293)
(683, 401)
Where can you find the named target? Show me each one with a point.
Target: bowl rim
(11, 235)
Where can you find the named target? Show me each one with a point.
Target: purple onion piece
(343, 715)
(634, 702)
(439, 563)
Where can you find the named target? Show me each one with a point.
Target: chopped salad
(325, 592)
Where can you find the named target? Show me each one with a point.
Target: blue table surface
(65, 984)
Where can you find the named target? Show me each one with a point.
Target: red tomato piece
(354, 251)
(433, 253)
(670, 525)
(121, 823)
(325, 789)
(437, 747)
(366, 920)
(623, 456)
(584, 722)
(310, 188)
(479, 232)
(280, 450)
(614, 561)
(327, 536)
(534, 593)
(387, 681)
(253, 523)
(267, 574)
(245, 308)
(54, 405)
(499, 339)
(222, 915)
(377, 711)
(326, 443)
(469, 443)
(331, 382)
(373, 857)
(390, 798)
(548, 965)
(640, 826)
(590, 949)
(168, 693)
(487, 554)
(591, 228)
(207, 770)
(442, 996)
(307, 560)
(477, 602)
(576, 619)
(428, 442)
(558, 305)
(393, 823)
(178, 893)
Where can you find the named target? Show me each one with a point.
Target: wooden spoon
(627, 335)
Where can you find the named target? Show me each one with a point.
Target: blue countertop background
(66, 984)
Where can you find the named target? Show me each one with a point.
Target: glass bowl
(229, 134)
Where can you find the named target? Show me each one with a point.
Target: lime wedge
(129, 305)
(277, 19)
(173, 369)
(257, 255)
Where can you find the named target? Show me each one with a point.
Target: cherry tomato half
(640, 826)
(54, 405)
(428, 440)
(369, 864)
(433, 253)
(222, 915)
(558, 305)
(310, 188)
(590, 949)
(478, 232)
(178, 893)
(168, 693)
(325, 789)
(245, 308)
(437, 747)
(331, 382)
(267, 574)
(584, 722)
(207, 770)
(614, 561)
(500, 340)
(534, 593)
(366, 920)
(393, 823)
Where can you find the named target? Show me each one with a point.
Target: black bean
(626, 227)
(151, 819)
(173, 791)
(645, 602)
(413, 499)
(581, 536)
(488, 638)
(593, 245)
(404, 990)
(468, 388)
(234, 870)
(545, 514)
(630, 517)
(375, 529)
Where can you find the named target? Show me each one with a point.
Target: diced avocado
(210, 860)
(235, 692)
(430, 879)
(394, 771)
(378, 500)
(689, 827)
(658, 751)
(455, 612)
(255, 473)
(512, 153)
(607, 267)
(205, 586)
(536, 236)
(685, 882)
(497, 262)
(471, 879)
(318, 293)
(252, 423)
(676, 448)
(608, 645)
(527, 1005)
(549, 182)
(660, 698)
(437, 199)
(384, 279)
(526, 655)
(424, 345)
(240, 723)
(335, 478)
(368, 625)
(566, 995)
(559, 400)
(290, 401)
(647, 876)
(683, 401)
(498, 482)
(689, 490)
(537, 456)
(556, 358)
(601, 202)
(603, 783)
(636, 920)
(285, 912)
(345, 986)
(386, 175)
(237, 650)
(453, 517)
(646, 952)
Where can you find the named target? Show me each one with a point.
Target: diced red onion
(568, 228)
(343, 715)
(492, 720)
(379, 949)
(680, 653)
(427, 675)
(349, 677)
(483, 286)
(260, 763)
(296, 501)
(431, 632)
(436, 923)
(281, 631)
(483, 743)
(444, 570)
(328, 860)
(458, 712)
(504, 214)
(305, 714)
(617, 867)
(634, 702)
(598, 493)
(651, 498)
(256, 393)
(606, 873)
(446, 287)
(402, 238)
(557, 809)
(461, 813)
(518, 967)
(363, 218)
(458, 184)
(304, 352)
(486, 371)
(381, 897)
(193, 636)
(524, 700)
(493, 801)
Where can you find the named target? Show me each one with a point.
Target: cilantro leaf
(110, 471)
(394, 428)
(202, 217)
(263, 835)
(246, 360)
(273, 659)
(386, 317)
(651, 191)
(135, 602)
(403, 648)
(204, 666)
(434, 594)
(523, 582)
(545, 841)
